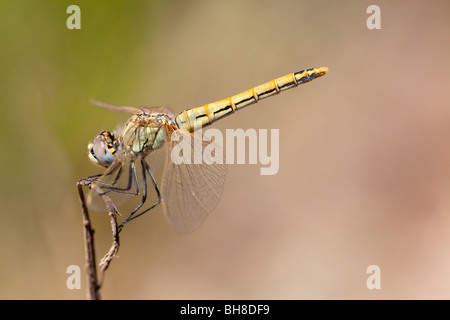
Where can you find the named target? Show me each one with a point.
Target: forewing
(132, 110)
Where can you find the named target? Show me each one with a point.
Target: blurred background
(364, 175)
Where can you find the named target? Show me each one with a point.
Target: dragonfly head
(102, 151)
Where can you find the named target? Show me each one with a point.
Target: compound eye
(102, 150)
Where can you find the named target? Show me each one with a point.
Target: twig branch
(112, 211)
(93, 292)
(93, 284)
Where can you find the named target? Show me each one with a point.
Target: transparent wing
(192, 188)
(132, 110)
(128, 182)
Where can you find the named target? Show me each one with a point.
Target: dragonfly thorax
(145, 132)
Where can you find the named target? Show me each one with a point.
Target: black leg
(144, 195)
(129, 188)
(145, 171)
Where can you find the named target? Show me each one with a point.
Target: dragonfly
(188, 192)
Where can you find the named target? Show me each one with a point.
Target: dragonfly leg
(128, 189)
(88, 180)
(145, 171)
(144, 194)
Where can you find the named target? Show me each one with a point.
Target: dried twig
(93, 284)
(112, 211)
